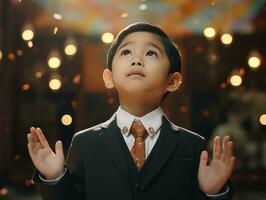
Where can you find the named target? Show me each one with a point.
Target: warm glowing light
(124, 15)
(30, 44)
(27, 32)
(58, 16)
(54, 60)
(70, 49)
(55, 30)
(254, 61)
(28, 182)
(263, 119)
(19, 52)
(143, 7)
(55, 84)
(107, 37)
(241, 72)
(76, 79)
(235, 80)
(25, 87)
(38, 74)
(11, 57)
(227, 38)
(66, 119)
(209, 32)
(3, 191)
(1, 55)
(39, 70)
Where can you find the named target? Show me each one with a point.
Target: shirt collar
(151, 121)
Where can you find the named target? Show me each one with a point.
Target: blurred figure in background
(234, 128)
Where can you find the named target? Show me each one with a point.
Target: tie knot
(138, 130)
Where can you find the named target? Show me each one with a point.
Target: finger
(226, 148)
(230, 165)
(229, 151)
(33, 145)
(31, 151)
(58, 148)
(29, 137)
(216, 154)
(33, 134)
(41, 137)
(230, 147)
(203, 159)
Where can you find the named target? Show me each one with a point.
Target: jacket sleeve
(71, 185)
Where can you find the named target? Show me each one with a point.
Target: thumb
(203, 159)
(59, 148)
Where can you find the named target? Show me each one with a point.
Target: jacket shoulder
(95, 130)
(191, 133)
(179, 129)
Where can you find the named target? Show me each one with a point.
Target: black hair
(171, 49)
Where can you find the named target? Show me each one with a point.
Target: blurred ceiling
(177, 17)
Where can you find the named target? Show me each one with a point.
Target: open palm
(49, 164)
(213, 176)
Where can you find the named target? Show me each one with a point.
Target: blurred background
(53, 52)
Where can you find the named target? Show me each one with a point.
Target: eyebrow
(149, 43)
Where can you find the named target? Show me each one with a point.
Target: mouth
(136, 74)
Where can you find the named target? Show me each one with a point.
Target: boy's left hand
(212, 177)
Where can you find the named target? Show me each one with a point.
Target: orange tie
(138, 149)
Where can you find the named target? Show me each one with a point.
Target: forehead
(144, 38)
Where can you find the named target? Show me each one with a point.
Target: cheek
(159, 70)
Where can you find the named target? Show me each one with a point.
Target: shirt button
(125, 130)
(151, 130)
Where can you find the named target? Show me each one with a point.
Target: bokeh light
(27, 32)
(30, 44)
(66, 119)
(254, 59)
(54, 59)
(70, 47)
(236, 80)
(209, 32)
(226, 38)
(107, 37)
(263, 119)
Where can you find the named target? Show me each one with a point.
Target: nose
(137, 62)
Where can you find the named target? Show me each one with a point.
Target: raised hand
(212, 177)
(49, 164)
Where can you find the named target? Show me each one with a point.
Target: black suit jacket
(97, 168)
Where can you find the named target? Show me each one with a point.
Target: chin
(130, 91)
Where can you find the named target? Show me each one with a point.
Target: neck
(138, 109)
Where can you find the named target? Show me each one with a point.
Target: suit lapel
(165, 144)
(113, 146)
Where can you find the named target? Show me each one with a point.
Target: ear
(174, 81)
(108, 79)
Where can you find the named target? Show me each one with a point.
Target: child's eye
(151, 53)
(125, 52)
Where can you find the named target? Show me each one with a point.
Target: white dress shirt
(151, 121)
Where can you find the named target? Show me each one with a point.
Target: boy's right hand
(49, 164)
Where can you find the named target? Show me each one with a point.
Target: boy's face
(140, 66)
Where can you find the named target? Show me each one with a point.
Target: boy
(138, 153)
